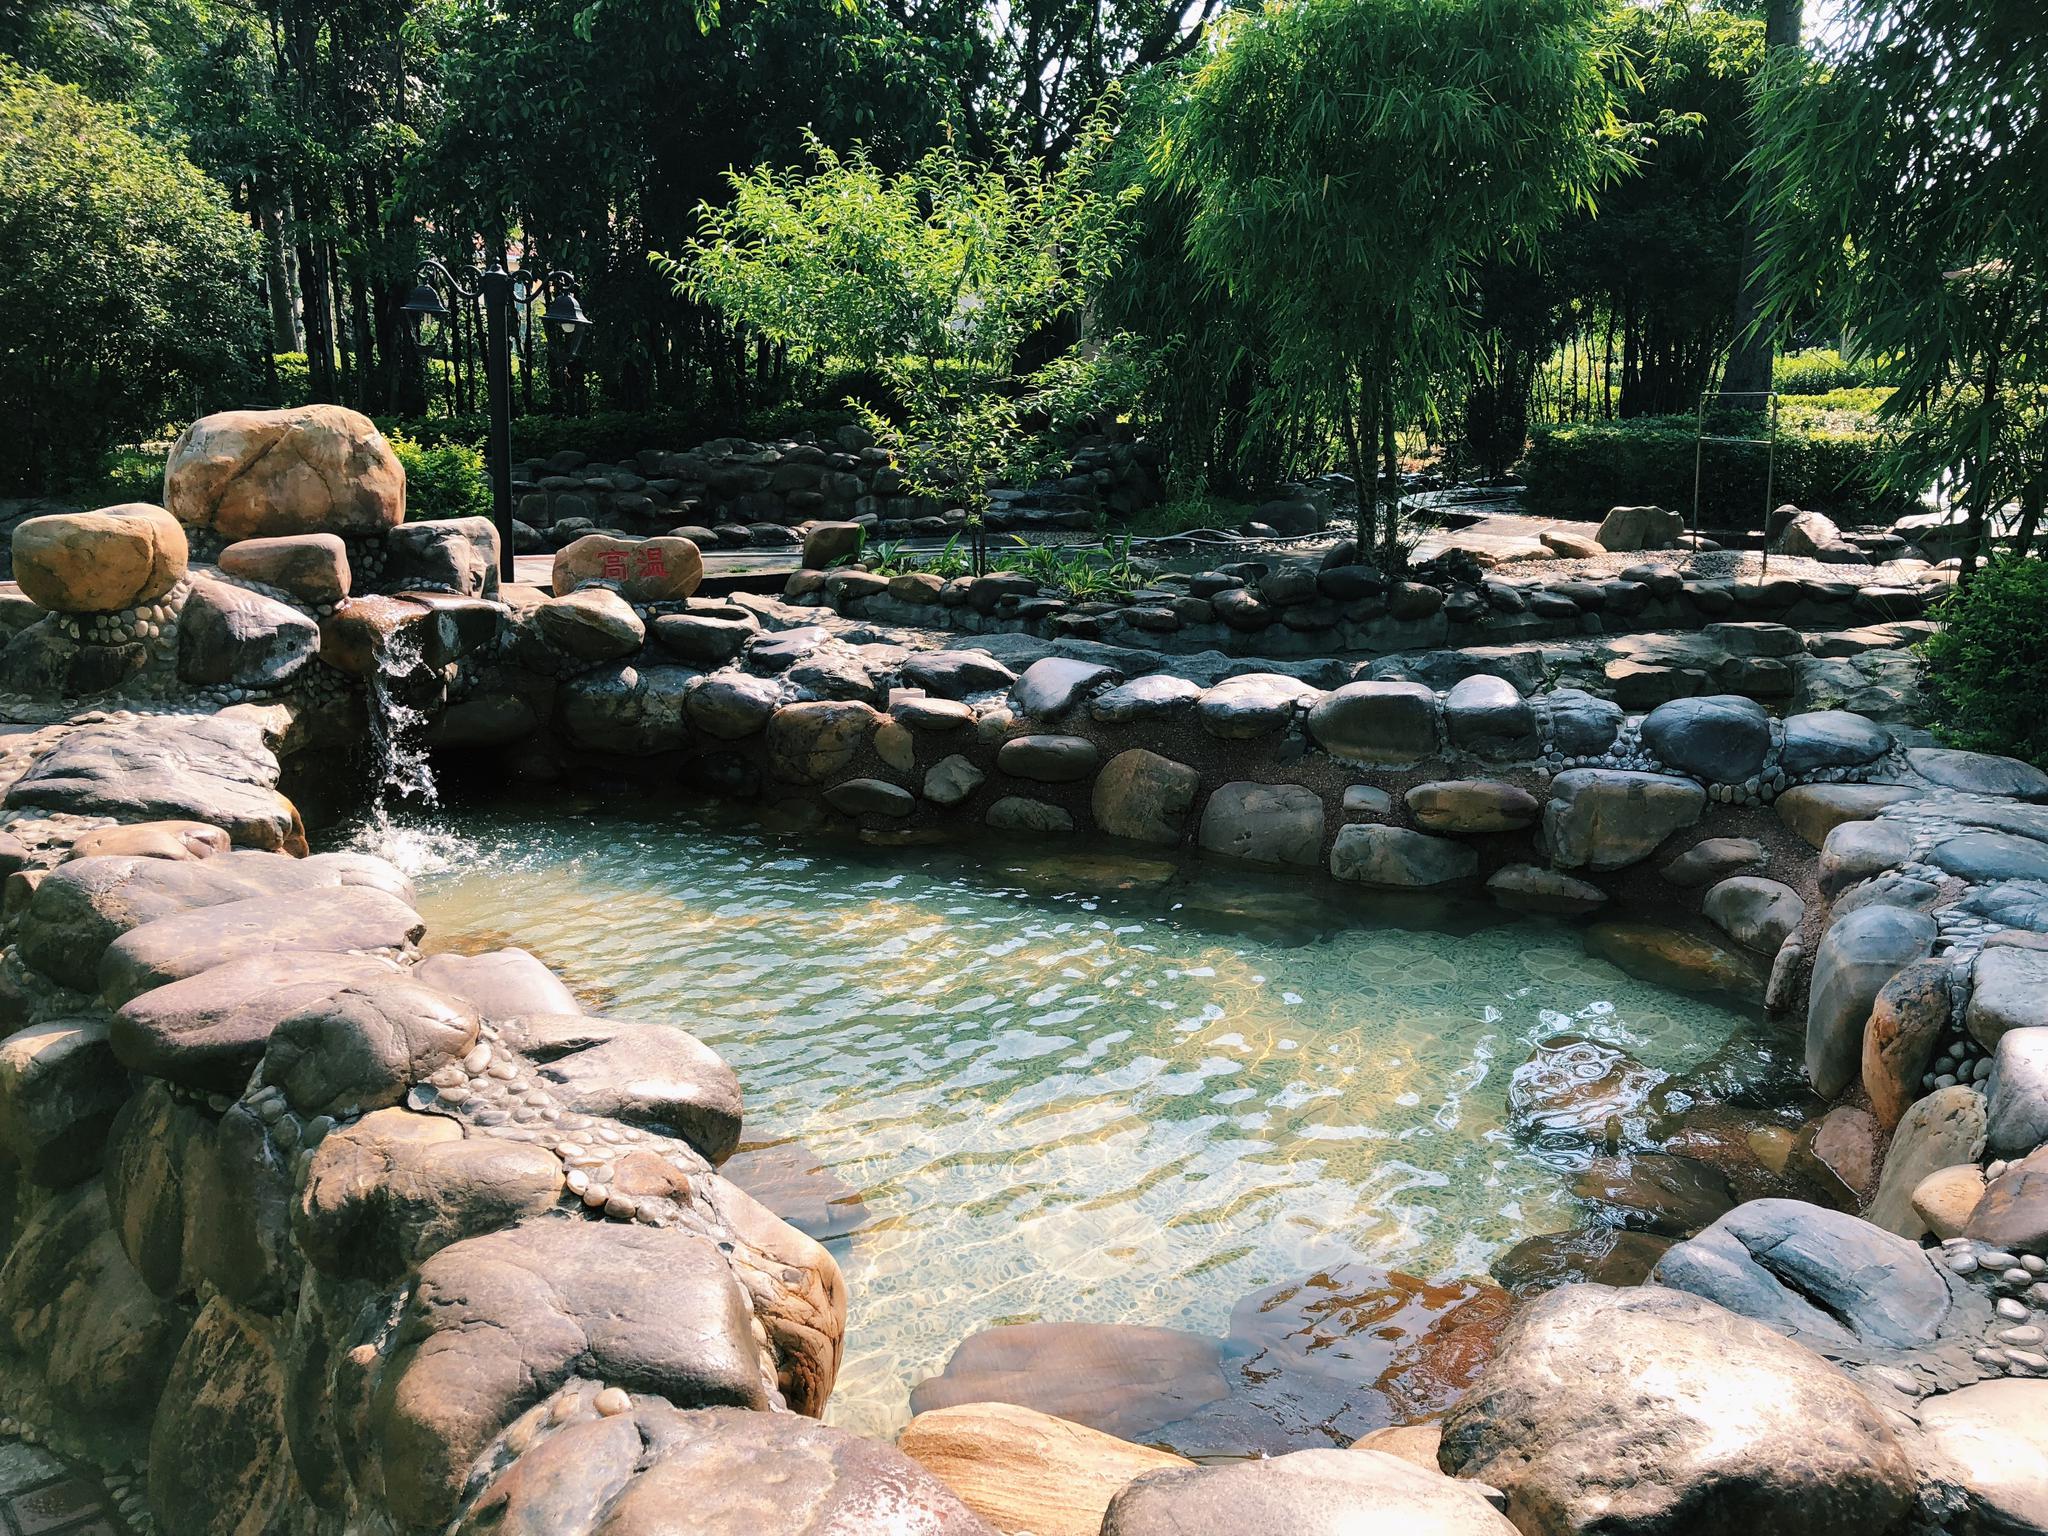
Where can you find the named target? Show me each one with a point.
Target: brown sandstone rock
(365, 1046)
(312, 567)
(151, 840)
(1024, 1470)
(591, 624)
(99, 562)
(654, 1076)
(60, 1087)
(812, 742)
(218, 1462)
(1906, 1025)
(312, 469)
(1144, 796)
(1308, 1493)
(500, 984)
(643, 571)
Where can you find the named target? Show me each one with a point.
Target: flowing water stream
(1078, 1086)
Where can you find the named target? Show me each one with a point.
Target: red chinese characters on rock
(656, 570)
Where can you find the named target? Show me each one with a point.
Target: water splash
(419, 847)
(399, 763)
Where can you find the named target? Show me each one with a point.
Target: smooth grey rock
(1048, 688)
(1979, 772)
(1608, 818)
(591, 624)
(1256, 704)
(1721, 738)
(1264, 823)
(1530, 888)
(870, 797)
(1819, 1276)
(230, 635)
(1747, 1431)
(956, 674)
(1304, 1493)
(1141, 795)
(1831, 738)
(1939, 1131)
(1376, 722)
(732, 706)
(704, 640)
(2016, 1094)
(2008, 990)
(1758, 914)
(1857, 850)
(951, 780)
(1018, 813)
(1367, 800)
(1160, 696)
(1487, 716)
(1582, 724)
(1396, 858)
(1048, 759)
(455, 554)
(628, 711)
(1981, 857)
(1857, 955)
(1716, 859)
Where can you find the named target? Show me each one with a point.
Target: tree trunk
(1749, 359)
(277, 281)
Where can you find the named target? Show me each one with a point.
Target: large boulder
(230, 635)
(2013, 1211)
(1608, 818)
(500, 983)
(1264, 823)
(2008, 991)
(208, 1031)
(1856, 957)
(1144, 796)
(628, 711)
(591, 624)
(1628, 528)
(217, 769)
(1720, 739)
(1487, 715)
(219, 1464)
(1907, 1021)
(1376, 722)
(1823, 1277)
(1307, 1493)
(366, 1045)
(1658, 1413)
(1940, 1131)
(643, 571)
(352, 920)
(1756, 913)
(2016, 1094)
(1472, 805)
(496, 1323)
(813, 742)
(99, 562)
(456, 554)
(311, 469)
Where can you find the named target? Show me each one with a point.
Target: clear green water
(1071, 1086)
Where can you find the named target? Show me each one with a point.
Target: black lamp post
(500, 290)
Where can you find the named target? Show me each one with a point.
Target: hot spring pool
(1071, 1086)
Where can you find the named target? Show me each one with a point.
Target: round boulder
(662, 570)
(1745, 1430)
(312, 469)
(1721, 739)
(99, 562)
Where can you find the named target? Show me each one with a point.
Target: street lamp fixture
(500, 291)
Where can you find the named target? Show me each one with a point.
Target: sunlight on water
(1099, 1087)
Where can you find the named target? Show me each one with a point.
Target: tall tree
(1904, 175)
(1349, 162)
(1749, 359)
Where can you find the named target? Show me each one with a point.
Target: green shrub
(1987, 665)
(294, 378)
(442, 480)
(1828, 461)
(1822, 370)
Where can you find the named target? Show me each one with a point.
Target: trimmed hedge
(1825, 465)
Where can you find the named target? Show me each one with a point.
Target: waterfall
(398, 761)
